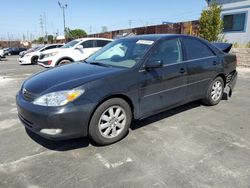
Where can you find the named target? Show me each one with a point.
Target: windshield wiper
(99, 64)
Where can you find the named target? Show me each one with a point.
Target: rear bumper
(232, 82)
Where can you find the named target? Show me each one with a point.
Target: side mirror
(79, 47)
(152, 64)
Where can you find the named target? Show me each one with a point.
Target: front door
(165, 86)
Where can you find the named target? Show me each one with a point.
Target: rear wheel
(64, 62)
(34, 60)
(110, 122)
(214, 92)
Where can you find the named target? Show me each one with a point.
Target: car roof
(92, 38)
(155, 37)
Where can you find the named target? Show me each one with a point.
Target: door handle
(182, 71)
(215, 63)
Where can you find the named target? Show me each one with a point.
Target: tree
(211, 24)
(75, 33)
(50, 38)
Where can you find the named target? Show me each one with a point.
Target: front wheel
(214, 92)
(64, 62)
(34, 60)
(110, 122)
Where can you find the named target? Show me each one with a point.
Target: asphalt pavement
(189, 146)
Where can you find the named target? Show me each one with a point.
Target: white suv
(31, 57)
(75, 50)
(2, 55)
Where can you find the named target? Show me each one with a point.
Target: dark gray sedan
(130, 78)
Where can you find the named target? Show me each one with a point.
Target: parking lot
(190, 146)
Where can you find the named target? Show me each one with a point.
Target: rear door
(202, 66)
(165, 86)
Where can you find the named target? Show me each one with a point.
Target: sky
(20, 18)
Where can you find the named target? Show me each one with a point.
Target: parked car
(31, 56)
(130, 78)
(2, 55)
(75, 50)
(14, 51)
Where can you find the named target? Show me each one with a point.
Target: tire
(64, 62)
(105, 128)
(215, 92)
(34, 60)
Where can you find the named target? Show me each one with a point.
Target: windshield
(70, 44)
(35, 48)
(122, 53)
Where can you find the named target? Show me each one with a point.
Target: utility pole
(90, 30)
(42, 26)
(63, 7)
(130, 24)
(45, 26)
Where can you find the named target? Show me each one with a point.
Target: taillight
(49, 62)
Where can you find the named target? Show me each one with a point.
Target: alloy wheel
(112, 122)
(216, 91)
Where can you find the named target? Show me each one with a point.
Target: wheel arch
(223, 77)
(121, 96)
(64, 58)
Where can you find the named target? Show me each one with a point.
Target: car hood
(67, 77)
(54, 50)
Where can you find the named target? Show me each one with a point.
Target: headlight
(59, 98)
(50, 54)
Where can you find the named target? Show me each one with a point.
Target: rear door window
(195, 49)
(89, 44)
(49, 47)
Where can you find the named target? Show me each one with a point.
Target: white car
(31, 57)
(75, 50)
(2, 55)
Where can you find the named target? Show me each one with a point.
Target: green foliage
(248, 45)
(211, 24)
(236, 45)
(50, 38)
(75, 33)
(40, 40)
(221, 38)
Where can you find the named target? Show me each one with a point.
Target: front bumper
(46, 64)
(71, 119)
(24, 61)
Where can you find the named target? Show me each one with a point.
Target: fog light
(51, 131)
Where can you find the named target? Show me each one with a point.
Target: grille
(28, 96)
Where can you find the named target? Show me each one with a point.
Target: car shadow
(64, 145)
(73, 144)
(168, 113)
